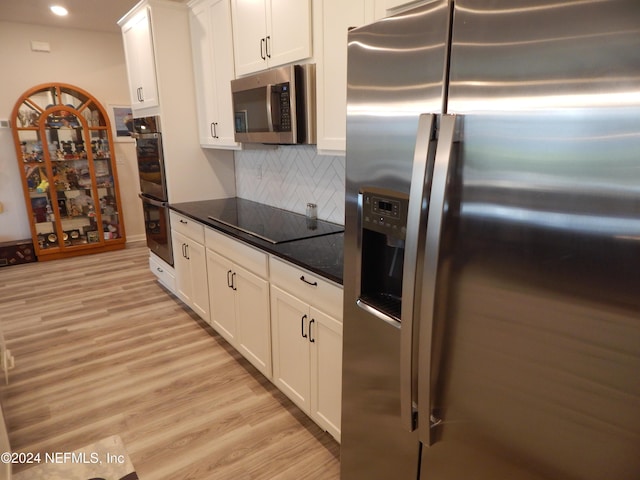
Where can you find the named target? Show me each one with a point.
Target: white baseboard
(136, 238)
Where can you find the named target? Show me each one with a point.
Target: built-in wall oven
(153, 186)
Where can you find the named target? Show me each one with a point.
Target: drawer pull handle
(313, 284)
(159, 269)
(183, 221)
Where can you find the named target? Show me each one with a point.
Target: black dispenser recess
(384, 224)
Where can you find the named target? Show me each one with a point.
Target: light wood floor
(102, 349)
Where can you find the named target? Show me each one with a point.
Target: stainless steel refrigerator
(492, 243)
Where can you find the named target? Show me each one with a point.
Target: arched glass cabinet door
(64, 147)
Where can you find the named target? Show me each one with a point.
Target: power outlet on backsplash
(289, 177)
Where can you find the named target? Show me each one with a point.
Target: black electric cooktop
(268, 223)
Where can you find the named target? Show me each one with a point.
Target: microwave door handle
(269, 107)
(416, 221)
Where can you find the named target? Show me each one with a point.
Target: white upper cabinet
(212, 44)
(139, 55)
(337, 18)
(192, 173)
(268, 33)
(385, 8)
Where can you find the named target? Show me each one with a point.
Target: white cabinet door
(253, 319)
(291, 362)
(212, 46)
(191, 273)
(141, 67)
(181, 266)
(337, 17)
(240, 309)
(289, 23)
(249, 35)
(199, 286)
(325, 338)
(307, 358)
(268, 33)
(385, 8)
(222, 297)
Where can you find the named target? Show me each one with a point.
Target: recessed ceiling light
(59, 10)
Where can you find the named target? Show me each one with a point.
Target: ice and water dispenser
(384, 226)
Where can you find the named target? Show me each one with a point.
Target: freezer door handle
(441, 169)
(416, 220)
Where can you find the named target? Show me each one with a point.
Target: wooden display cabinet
(64, 147)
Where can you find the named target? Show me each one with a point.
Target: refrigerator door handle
(414, 244)
(442, 164)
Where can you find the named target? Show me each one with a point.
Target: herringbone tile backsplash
(289, 177)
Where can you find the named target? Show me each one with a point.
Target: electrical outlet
(4, 123)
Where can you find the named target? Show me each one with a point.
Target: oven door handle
(156, 203)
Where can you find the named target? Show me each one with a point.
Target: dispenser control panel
(385, 212)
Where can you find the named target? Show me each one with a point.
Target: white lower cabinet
(190, 264)
(221, 296)
(285, 320)
(239, 298)
(307, 346)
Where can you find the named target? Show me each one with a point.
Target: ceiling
(95, 15)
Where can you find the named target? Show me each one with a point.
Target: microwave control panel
(285, 106)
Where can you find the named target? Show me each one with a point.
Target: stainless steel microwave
(277, 106)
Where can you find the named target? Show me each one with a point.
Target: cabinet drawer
(247, 257)
(163, 272)
(308, 287)
(188, 227)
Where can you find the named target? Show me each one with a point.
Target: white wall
(89, 60)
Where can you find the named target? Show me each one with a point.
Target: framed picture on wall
(121, 123)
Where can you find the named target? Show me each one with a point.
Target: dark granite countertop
(321, 255)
